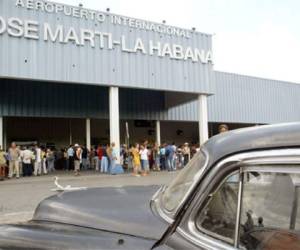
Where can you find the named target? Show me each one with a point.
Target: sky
(251, 37)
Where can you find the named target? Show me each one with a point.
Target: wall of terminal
(245, 99)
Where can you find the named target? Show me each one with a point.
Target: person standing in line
(20, 161)
(58, 155)
(136, 160)
(70, 161)
(65, 158)
(100, 152)
(104, 159)
(124, 155)
(27, 157)
(156, 157)
(2, 164)
(91, 157)
(223, 128)
(43, 157)
(174, 160)
(186, 153)
(144, 160)
(94, 158)
(37, 160)
(167, 154)
(108, 153)
(85, 158)
(150, 157)
(129, 159)
(14, 154)
(163, 157)
(170, 157)
(50, 160)
(114, 156)
(77, 159)
(179, 156)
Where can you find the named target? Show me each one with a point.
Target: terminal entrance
(62, 132)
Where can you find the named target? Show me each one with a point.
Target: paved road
(18, 198)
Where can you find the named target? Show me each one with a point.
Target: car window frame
(209, 198)
(269, 158)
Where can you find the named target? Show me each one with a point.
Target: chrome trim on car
(156, 206)
(238, 210)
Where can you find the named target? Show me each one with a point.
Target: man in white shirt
(13, 156)
(186, 153)
(144, 160)
(27, 157)
(70, 161)
(77, 159)
(38, 160)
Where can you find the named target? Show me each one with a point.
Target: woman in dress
(136, 160)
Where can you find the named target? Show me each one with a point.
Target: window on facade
(219, 215)
(270, 216)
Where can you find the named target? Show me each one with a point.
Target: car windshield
(183, 183)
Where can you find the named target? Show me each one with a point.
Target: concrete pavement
(19, 198)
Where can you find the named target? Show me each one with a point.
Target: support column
(157, 131)
(114, 121)
(1, 132)
(88, 133)
(203, 118)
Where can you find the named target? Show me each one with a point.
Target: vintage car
(240, 191)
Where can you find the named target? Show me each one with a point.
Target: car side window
(270, 216)
(218, 218)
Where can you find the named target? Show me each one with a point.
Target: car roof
(253, 138)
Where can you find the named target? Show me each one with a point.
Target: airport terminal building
(70, 74)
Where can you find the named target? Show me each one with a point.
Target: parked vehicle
(240, 191)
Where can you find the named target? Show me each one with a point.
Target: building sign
(101, 17)
(48, 41)
(99, 38)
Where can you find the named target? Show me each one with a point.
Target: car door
(247, 201)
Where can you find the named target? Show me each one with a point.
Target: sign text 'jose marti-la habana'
(96, 38)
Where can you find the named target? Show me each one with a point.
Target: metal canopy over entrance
(62, 114)
(20, 98)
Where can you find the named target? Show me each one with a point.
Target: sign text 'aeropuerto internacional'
(32, 29)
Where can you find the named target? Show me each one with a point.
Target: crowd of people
(139, 159)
